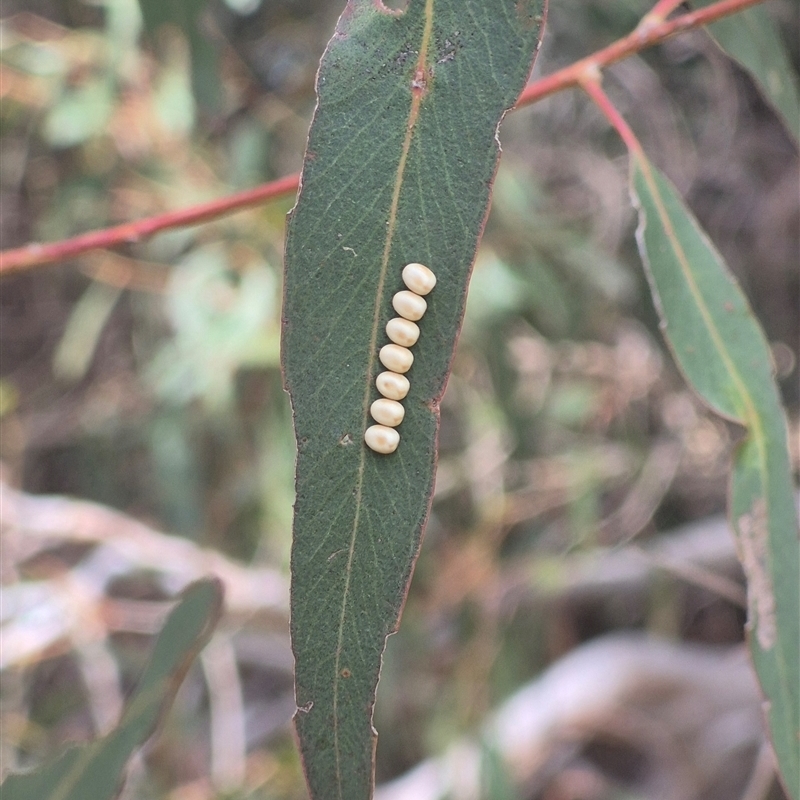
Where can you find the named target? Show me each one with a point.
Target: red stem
(37, 254)
(651, 30)
(647, 33)
(591, 85)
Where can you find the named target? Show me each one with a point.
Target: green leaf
(751, 38)
(79, 114)
(188, 16)
(95, 770)
(73, 356)
(400, 161)
(222, 319)
(721, 350)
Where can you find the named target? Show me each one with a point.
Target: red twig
(37, 254)
(652, 29)
(591, 85)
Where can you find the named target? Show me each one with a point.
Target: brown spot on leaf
(345, 673)
(421, 80)
(753, 543)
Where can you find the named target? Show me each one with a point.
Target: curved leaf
(95, 770)
(400, 161)
(721, 350)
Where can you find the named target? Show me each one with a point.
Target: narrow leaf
(401, 157)
(95, 770)
(752, 38)
(724, 355)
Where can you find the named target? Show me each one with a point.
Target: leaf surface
(401, 157)
(724, 355)
(95, 770)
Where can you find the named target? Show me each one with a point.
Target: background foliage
(147, 379)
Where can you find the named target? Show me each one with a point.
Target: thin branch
(591, 85)
(652, 29)
(32, 255)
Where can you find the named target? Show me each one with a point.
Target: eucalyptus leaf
(96, 770)
(401, 157)
(721, 349)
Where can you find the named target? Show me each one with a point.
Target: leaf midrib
(418, 91)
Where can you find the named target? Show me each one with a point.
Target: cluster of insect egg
(403, 331)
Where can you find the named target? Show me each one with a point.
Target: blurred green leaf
(177, 468)
(723, 353)
(751, 38)
(400, 161)
(496, 783)
(187, 16)
(573, 404)
(495, 291)
(35, 58)
(249, 150)
(173, 99)
(222, 320)
(74, 353)
(80, 113)
(124, 25)
(95, 771)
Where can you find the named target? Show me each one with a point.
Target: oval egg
(402, 331)
(392, 385)
(381, 439)
(419, 278)
(387, 412)
(409, 305)
(396, 358)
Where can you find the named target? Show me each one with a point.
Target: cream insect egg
(392, 385)
(381, 439)
(409, 305)
(418, 278)
(402, 331)
(397, 358)
(387, 412)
